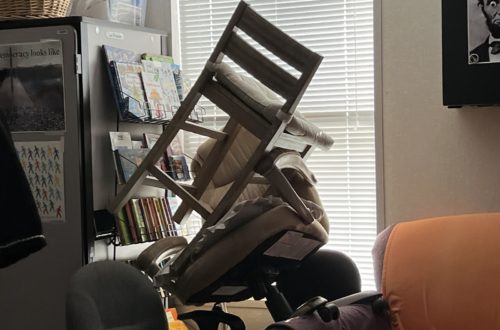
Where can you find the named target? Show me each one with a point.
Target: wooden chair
(273, 127)
(257, 154)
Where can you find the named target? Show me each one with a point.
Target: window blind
(340, 100)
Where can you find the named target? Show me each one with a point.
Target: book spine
(169, 214)
(147, 218)
(122, 225)
(154, 219)
(171, 168)
(131, 223)
(139, 217)
(185, 168)
(161, 217)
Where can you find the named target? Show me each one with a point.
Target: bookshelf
(147, 89)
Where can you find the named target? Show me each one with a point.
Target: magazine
(120, 140)
(154, 95)
(131, 88)
(163, 75)
(129, 160)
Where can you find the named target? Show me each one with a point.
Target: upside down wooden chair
(244, 241)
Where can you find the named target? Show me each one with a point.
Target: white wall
(436, 161)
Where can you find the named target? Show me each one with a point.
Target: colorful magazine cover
(154, 95)
(165, 77)
(131, 88)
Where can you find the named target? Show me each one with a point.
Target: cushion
(244, 237)
(268, 104)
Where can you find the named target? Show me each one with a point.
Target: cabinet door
(39, 96)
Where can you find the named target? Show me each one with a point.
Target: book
(156, 103)
(131, 223)
(158, 58)
(131, 89)
(178, 78)
(116, 54)
(147, 218)
(139, 218)
(154, 218)
(173, 203)
(149, 141)
(172, 226)
(179, 168)
(120, 140)
(129, 160)
(163, 75)
(175, 147)
(161, 217)
(137, 144)
(122, 225)
(111, 56)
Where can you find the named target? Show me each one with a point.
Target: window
(340, 100)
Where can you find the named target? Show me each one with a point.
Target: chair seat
(279, 232)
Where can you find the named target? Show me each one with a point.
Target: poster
(31, 86)
(470, 52)
(42, 162)
(483, 22)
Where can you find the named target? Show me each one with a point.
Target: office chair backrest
(113, 295)
(442, 273)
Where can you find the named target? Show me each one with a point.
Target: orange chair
(438, 273)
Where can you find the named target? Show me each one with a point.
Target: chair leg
(210, 320)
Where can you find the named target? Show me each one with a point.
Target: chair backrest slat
(259, 66)
(275, 40)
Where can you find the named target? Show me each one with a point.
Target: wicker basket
(22, 9)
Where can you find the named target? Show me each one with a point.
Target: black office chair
(113, 295)
(327, 273)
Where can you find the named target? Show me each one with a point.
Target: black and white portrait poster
(484, 31)
(31, 86)
(42, 162)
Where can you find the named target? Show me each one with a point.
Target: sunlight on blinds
(340, 100)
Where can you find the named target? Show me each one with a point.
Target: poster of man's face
(484, 31)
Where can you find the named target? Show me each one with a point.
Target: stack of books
(145, 219)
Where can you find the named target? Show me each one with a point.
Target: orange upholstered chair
(438, 273)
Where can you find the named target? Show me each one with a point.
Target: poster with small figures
(42, 162)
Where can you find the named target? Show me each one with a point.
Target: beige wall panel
(437, 161)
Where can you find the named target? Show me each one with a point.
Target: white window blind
(340, 100)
